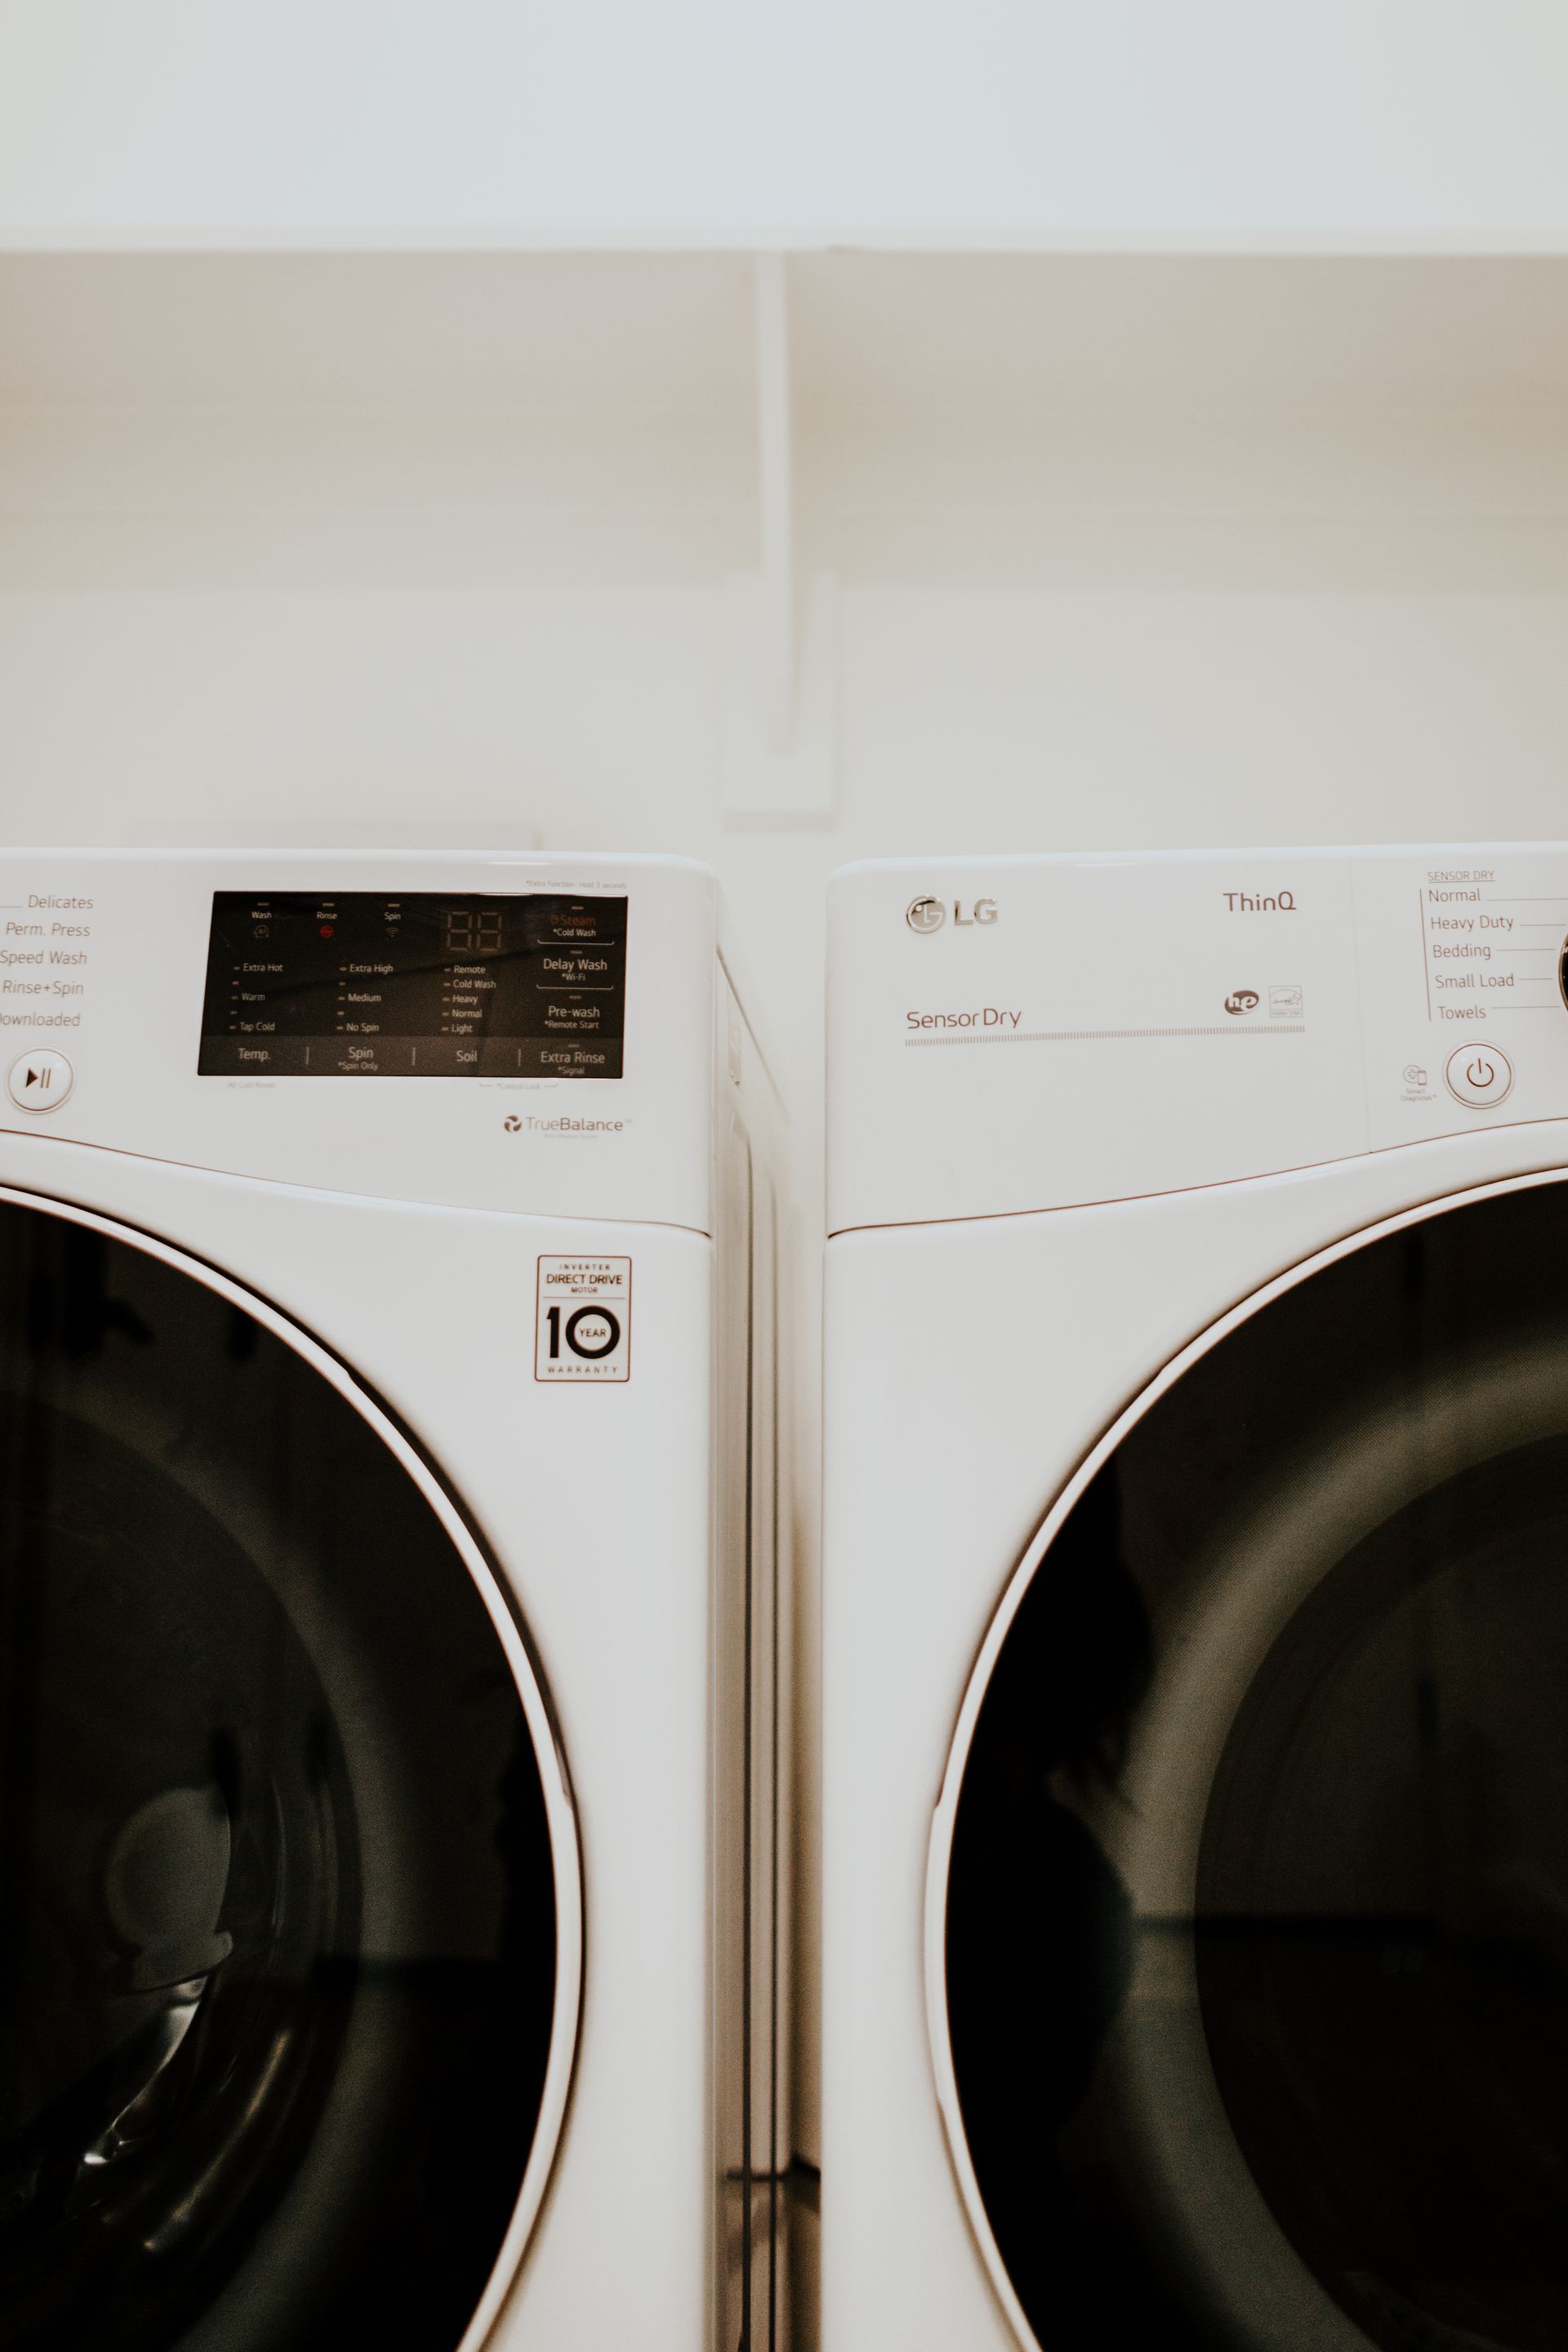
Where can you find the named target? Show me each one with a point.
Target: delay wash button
(1478, 1076)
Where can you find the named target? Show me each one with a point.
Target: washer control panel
(1016, 1033)
(415, 983)
(225, 1012)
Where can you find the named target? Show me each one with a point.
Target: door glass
(1257, 1912)
(277, 1922)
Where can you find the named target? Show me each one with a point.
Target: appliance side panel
(750, 1768)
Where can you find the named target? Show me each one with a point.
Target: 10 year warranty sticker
(583, 1327)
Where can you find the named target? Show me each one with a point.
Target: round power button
(40, 1081)
(1478, 1076)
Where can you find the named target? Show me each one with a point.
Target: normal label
(584, 1325)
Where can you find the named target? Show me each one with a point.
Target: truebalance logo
(564, 1124)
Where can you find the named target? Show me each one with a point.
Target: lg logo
(930, 914)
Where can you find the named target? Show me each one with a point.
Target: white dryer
(388, 1443)
(1197, 1604)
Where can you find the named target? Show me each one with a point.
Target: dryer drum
(1254, 1957)
(278, 1928)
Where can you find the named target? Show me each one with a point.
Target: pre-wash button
(1478, 1076)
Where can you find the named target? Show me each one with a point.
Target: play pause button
(40, 1081)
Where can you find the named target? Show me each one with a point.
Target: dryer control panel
(308, 1017)
(1031, 1032)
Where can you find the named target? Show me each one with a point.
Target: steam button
(1478, 1076)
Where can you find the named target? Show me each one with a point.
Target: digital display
(418, 986)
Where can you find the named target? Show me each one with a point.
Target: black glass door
(1257, 1920)
(277, 1921)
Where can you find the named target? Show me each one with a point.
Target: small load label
(584, 1325)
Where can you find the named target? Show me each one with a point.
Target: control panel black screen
(427, 985)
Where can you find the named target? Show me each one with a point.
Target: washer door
(289, 1883)
(1249, 1903)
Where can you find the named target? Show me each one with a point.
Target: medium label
(584, 1325)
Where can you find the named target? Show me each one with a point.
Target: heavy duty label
(584, 1325)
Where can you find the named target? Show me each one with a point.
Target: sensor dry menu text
(415, 987)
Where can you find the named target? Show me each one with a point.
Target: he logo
(1242, 1000)
(512, 1124)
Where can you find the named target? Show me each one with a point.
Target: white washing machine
(1197, 1604)
(388, 1264)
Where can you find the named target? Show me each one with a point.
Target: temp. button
(1478, 1076)
(40, 1081)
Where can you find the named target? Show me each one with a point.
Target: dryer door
(1248, 1919)
(288, 1885)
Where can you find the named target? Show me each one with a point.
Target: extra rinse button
(1478, 1076)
